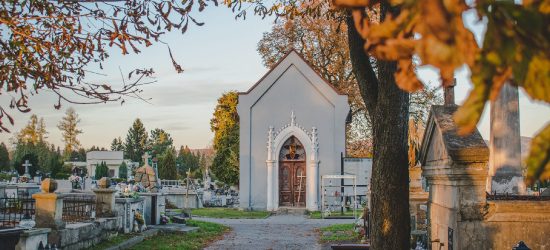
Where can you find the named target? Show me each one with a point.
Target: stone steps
(292, 210)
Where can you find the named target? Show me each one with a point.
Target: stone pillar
(3, 190)
(49, 206)
(270, 185)
(312, 186)
(505, 175)
(105, 198)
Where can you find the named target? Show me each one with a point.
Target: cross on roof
(292, 117)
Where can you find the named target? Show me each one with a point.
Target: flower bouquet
(139, 188)
(76, 181)
(23, 179)
(164, 219)
(139, 218)
(129, 193)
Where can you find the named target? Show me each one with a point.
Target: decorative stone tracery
(274, 144)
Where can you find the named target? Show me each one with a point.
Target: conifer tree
(168, 170)
(101, 171)
(68, 127)
(123, 171)
(137, 141)
(4, 158)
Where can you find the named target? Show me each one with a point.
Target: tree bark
(388, 107)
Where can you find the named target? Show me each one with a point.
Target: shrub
(117, 180)
(61, 176)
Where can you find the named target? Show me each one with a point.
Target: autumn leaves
(517, 43)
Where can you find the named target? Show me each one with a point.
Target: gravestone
(146, 176)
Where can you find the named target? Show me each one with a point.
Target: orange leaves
(406, 78)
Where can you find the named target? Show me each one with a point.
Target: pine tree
(123, 171)
(136, 141)
(168, 170)
(117, 145)
(4, 158)
(160, 141)
(68, 127)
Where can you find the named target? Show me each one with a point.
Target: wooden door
(292, 184)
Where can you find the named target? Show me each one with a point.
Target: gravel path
(275, 232)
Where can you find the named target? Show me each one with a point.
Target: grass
(222, 212)
(317, 214)
(338, 228)
(113, 241)
(208, 232)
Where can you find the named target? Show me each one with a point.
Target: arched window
(292, 150)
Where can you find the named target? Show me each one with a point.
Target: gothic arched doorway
(292, 174)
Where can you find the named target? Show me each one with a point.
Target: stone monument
(146, 176)
(27, 165)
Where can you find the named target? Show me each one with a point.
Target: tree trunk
(388, 107)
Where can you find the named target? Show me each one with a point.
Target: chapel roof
(466, 148)
(281, 60)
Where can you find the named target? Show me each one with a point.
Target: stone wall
(84, 235)
(178, 199)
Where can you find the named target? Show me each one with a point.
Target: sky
(217, 57)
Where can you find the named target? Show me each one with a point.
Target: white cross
(26, 165)
(292, 118)
(146, 157)
(300, 187)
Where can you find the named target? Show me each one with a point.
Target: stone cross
(146, 157)
(292, 117)
(26, 165)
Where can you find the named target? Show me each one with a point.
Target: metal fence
(12, 209)
(78, 209)
(170, 182)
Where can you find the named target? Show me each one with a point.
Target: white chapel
(292, 131)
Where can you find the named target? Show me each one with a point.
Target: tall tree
(169, 170)
(117, 145)
(4, 158)
(225, 126)
(69, 131)
(160, 141)
(35, 130)
(123, 171)
(324, 44)
(137, 141)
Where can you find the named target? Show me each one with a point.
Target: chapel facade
(292, 131)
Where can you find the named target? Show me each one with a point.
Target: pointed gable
(292, 61)
(441, 142)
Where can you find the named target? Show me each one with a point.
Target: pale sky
(217, 57)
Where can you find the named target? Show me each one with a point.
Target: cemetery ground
(208, 232)
(221, 212)
(282, 232)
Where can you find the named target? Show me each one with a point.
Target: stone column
(270, 185)
(105, 198)
(270, 172)
(49, 206)
(312, 183)
(505, 175)
(313, 174)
